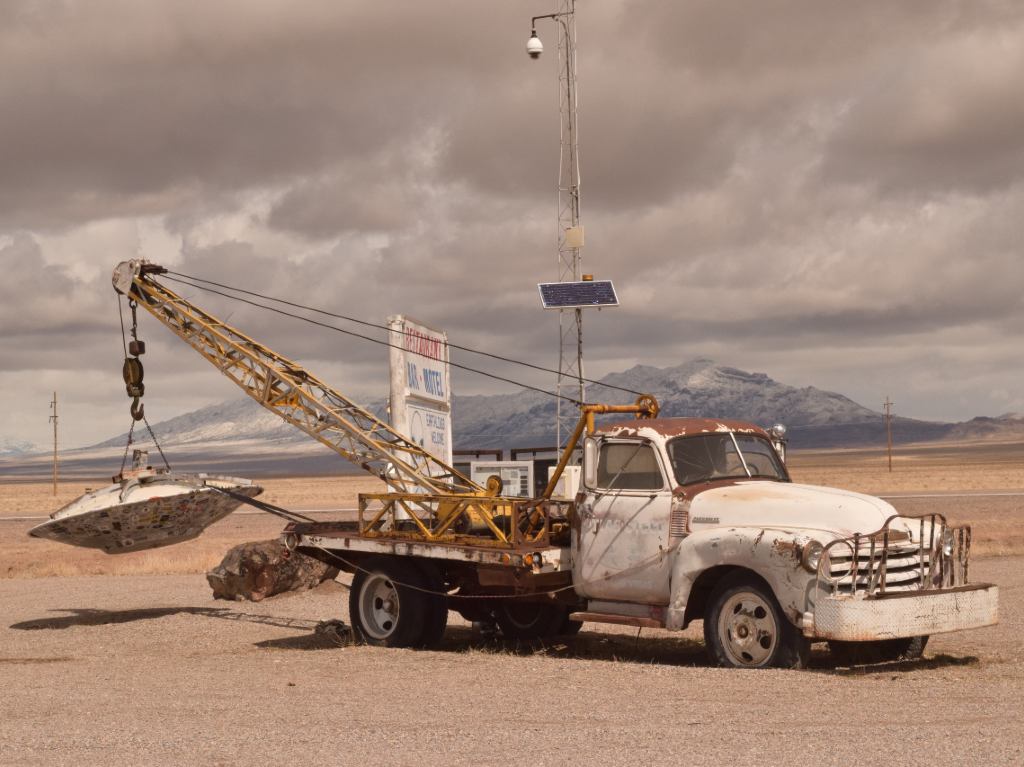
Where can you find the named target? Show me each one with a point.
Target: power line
(378, 326)
(53, 418)
(888, 428)
(369, 338)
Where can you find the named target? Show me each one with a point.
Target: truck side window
(628, 466)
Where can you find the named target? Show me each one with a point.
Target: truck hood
(758, 503)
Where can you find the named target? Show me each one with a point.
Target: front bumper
(902, 614)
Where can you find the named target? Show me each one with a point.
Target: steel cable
(365, 323)
(373, 340)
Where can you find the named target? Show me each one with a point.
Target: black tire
(529, 620)
(744, 627)
(383, 610)
(436, 618)
(879, 651)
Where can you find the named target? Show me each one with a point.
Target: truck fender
(772, 553)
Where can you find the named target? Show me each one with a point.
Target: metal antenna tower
(570, 324)
(570, 234)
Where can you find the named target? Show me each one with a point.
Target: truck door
(619, 552)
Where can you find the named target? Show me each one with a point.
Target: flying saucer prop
(145, 511)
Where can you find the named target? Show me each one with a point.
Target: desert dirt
(129, 660)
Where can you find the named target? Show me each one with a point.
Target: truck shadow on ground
(942, 660)
(610, 648)
(91, 617)
(587, 645)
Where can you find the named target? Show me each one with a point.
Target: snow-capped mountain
(699, 387)
(234, 421)
(11, 447)
(241, 436)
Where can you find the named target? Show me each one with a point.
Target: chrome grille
(903, 567)
(904, 557)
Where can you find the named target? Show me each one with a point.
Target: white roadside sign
(420, 393)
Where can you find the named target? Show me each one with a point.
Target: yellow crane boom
(292, 392)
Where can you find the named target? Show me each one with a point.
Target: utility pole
(53, 418)
(888, 428)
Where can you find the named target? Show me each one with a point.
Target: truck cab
(684, 518)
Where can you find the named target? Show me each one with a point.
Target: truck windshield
(724, 455)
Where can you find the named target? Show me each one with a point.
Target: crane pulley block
(133, 373)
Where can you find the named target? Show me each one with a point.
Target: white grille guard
(907, 579)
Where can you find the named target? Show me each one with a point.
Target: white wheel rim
(378, 606)
(748, 630)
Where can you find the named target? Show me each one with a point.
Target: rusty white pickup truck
(685, 519)
(678, 519)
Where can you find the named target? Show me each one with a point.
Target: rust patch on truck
(787, 548)
(679, 427)
(689, 492)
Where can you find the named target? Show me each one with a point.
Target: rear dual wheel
(534, 620)
(398, 603)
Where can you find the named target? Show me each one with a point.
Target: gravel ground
(150, 670)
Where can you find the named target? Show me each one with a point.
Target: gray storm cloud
(829, 192)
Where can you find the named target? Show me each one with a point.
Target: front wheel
(744, 627)
(384, 610)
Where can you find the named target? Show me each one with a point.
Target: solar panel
(569, 295)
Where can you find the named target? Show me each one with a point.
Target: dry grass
(935, 470)
(998, 522)
(916, 468)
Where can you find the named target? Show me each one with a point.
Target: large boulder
(261, 569)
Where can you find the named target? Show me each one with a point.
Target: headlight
(811, 556)
(948, 542)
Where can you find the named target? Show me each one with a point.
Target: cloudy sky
(828, 192)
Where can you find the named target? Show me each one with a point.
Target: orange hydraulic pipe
(646, 406)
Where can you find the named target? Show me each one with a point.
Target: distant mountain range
(701, 387)
(526, 418)
(10, 447)
(696, 388)
(242, 436)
